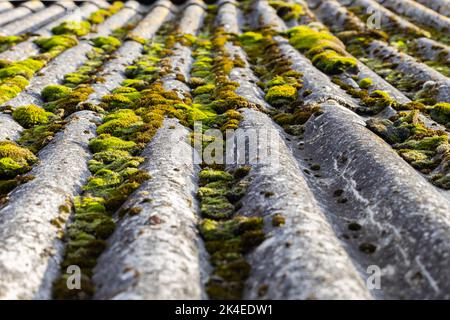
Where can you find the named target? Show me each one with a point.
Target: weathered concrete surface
(406, 218)
(320, 84)
(430, 49)
(9, 129)
(441, 6)
(21, 11)
(389, 19)
(229, 17)
(6, 6)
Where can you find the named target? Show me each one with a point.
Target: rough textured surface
(30, 250)
(6, 6)
(157, 254)
(418, 13)
(407, 219)
(181, 60)
(193, 17)
(441, 6)
(408, 65)
(335, 199)
(302, 259)
(28, 48)
(230, 18)
(20, 12)
(35, 20)
(265, 15)
(432, 50)
(9, 129)
(69, 60)
(319, 83)
(113, 70)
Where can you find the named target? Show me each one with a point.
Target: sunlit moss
(30, 115)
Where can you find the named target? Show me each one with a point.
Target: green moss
(204, 89)
(10, 167)
(56, 43)
(377, 101)
(250, 37)
(70, 102)
(116, 160)
(30, 115)
(100, 15)
(103, 178)
(77, 28)
(25, 68)
(105, 142)
(365, 83)
(216, 207)
(118, 122)
(286, 10)
(412, 105)
(284, 119)
(442, 181)
(107, 43)
(226, 241)
(325, 50)
(75, 78)
(55, 92)
(8, 184)
(305, 37)
(209, 175)
(425, 144)
(11, 87)
(388, 131)
(276, 81)
(281, 94)
(14, 159)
